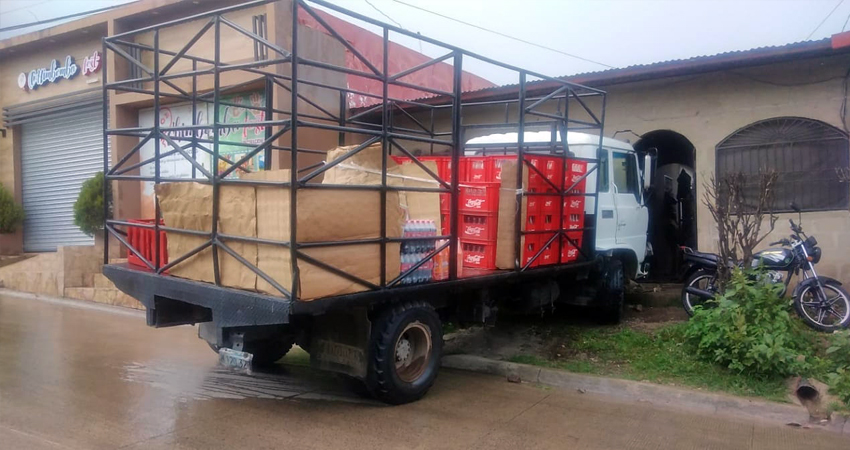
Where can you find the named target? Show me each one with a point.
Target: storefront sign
(51, 74)
(92, 63)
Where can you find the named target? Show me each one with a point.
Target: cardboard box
(506, 256)
(324, 215)
(189, 206)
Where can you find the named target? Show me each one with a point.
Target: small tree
(88, 209)
(739, 204)
(11, 213)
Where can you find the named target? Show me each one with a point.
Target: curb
(72, 303)
(654, 394)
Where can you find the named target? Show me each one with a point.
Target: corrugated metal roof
(684, 66)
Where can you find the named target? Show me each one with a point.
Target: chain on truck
(358, 252)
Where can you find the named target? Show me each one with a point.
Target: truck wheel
(266, 351)
(405, 350)
(612, 295)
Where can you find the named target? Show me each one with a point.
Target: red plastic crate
(482, 227)
(479, 198)
(550, 252)
(479, 255)
(496, 161)
(549, 204)
(532, 202)
(574, 205)
(445, 223)
(549, 222)
(569, 252)
(477, 169)
(531, 244)
(533, 222)
(144, 241)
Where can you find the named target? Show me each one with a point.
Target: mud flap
(340, 342)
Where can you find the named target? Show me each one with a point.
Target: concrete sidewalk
(653, 394)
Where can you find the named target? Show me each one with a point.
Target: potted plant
(88, 209)
(11, 213)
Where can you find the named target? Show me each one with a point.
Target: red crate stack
(144, 241)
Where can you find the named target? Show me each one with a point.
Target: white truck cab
(621, 217)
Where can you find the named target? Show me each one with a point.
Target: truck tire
(266, 351)
(404, 352)
(611, 296)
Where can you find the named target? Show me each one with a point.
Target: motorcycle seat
(691, 253)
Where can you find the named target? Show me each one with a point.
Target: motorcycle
(820, 301)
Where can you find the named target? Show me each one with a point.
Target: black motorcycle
(821, 301)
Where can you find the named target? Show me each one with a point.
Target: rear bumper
(175, 301)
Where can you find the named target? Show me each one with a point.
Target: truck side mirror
(647, 171)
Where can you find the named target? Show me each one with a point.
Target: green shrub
(751, 330)
(88, 209)
(11, 213)
(839, 354)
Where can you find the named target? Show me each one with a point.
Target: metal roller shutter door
(58, 153)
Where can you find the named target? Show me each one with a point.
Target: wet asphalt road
(89, 379)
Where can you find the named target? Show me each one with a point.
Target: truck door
(630, 213)
(606, 221)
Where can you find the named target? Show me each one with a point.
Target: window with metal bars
(260, 28)
(809, 156)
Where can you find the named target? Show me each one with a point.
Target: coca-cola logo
(474, 231)
(474, 203)
(575, 203)
(474, 259)
(577, 167)
(572, 252)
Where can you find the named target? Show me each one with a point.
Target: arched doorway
(672, 201)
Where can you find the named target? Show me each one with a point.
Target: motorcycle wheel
(830, 314)
(701, 279)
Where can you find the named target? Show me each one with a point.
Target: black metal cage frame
(279, 122)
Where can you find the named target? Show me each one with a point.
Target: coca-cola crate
(550, 252)
(144, 241)
(549, 204)
(576, 170)
(574, 204)
(479, 255)
(445, 202)
(482, 227)
(573, 220)
(533, 222)
(445, 223)
(531, 243)
(549, 222)
(477, 169)
(532, 202)
(496, 161)
(570, 252)
(479, 198)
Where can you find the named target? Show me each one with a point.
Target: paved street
(80, 378)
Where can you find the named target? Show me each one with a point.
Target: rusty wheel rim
(412, 351)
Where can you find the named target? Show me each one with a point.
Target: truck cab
(621, 217)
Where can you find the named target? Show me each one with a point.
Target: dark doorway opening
(672, 201)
